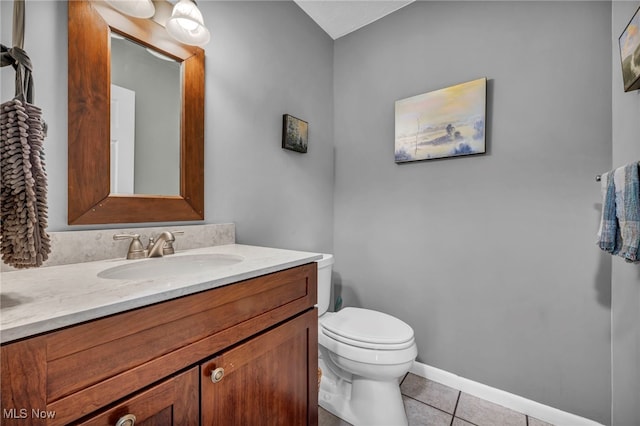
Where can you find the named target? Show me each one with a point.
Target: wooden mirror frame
(90, 200)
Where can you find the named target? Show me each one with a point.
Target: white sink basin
(171, 266)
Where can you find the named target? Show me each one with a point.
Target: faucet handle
(151, 242)
(136, 250)
(168, 245)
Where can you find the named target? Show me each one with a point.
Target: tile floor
(433, 404)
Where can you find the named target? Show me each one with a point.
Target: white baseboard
(500, 397)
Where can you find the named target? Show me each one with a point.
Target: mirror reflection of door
(156, 81)
(123, 123)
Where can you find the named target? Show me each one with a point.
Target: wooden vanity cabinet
(264, 381)
(259, 336)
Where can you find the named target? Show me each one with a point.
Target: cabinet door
(270, 379)
(175, 401)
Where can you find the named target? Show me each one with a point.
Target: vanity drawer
(172, 402)
(86, 367)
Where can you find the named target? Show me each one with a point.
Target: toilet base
(361, 401)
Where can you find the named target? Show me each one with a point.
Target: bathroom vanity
(238, 347)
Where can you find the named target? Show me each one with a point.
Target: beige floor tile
(484, 413)
(420, 414)
(535, 422)
(429, 392)
(460, 422)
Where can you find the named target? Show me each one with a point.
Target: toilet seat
(366, 355)
(364, 328)
(368, 345)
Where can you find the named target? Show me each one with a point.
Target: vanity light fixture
(137, 8)
(187, 25)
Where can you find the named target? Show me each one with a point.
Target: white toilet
(363, 354)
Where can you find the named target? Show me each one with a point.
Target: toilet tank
(324, 282)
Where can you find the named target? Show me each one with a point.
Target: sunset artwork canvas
(444, 123)
(630, 54)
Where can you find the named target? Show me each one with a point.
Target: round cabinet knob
(127, 420)
(217, 374)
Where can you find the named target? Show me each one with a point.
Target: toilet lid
(367, 328)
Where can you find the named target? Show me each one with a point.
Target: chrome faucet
(156, 249)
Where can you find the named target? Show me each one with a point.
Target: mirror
(145, 121)
(91, 49)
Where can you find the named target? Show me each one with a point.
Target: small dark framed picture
(629, 43)
(295, 133)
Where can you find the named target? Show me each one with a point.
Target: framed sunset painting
(629, 43)
(444, 123)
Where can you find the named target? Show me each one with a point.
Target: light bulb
(137, 8)
(187, 25)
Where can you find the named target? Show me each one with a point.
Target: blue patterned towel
(608, 233)
(629, 218)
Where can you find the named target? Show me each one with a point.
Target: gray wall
(625, 327)
(265, 59)
(492, 259)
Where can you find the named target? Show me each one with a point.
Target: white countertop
(39, 300)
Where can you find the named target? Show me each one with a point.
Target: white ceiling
(340, 17)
